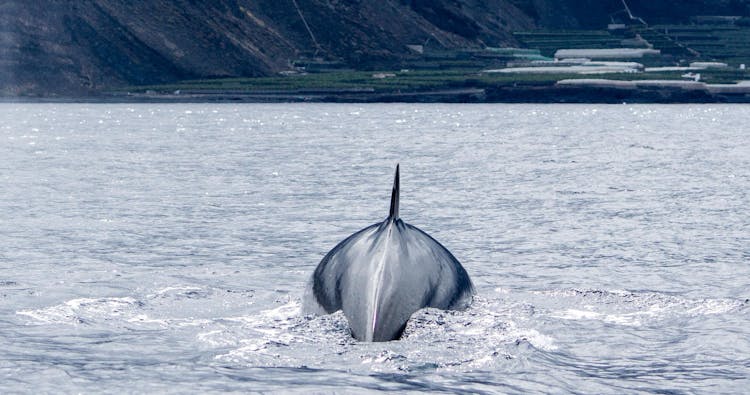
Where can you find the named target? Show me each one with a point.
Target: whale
(384, 273)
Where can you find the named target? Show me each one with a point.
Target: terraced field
(462, 69)
(724, 43)
(729, 44)
(550, 41)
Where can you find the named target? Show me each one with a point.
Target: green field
(728, 44)
(456, 69)
(412, 81)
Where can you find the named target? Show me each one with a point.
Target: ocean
(166, 248)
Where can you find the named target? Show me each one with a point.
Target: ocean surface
(166, 248)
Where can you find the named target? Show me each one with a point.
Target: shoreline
(552, 94)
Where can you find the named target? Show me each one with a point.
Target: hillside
(63, 47)
(55, 47)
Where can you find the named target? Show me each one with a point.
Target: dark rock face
(62, 47)
(681, 10)
(596, 14)
(81, 46)
(569, 14)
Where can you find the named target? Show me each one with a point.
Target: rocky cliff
(79, 47)
(64, 47)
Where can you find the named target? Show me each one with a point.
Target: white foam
(574, 314)
(715, 306)
(627, 319)
(217, 338)
(175, 290)
(260, 331)
(534, 337)
(74, 310)
(112, 311)
(145, 319)
(639, 308)
(497, 327)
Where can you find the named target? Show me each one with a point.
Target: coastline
(496, 94)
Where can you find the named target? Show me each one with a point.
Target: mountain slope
(61, 47)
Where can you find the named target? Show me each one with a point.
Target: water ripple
(164, 248)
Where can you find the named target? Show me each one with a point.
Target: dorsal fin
(394, 197)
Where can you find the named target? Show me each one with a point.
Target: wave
(500, 329)
(633, 308)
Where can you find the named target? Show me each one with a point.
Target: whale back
(384, 273)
